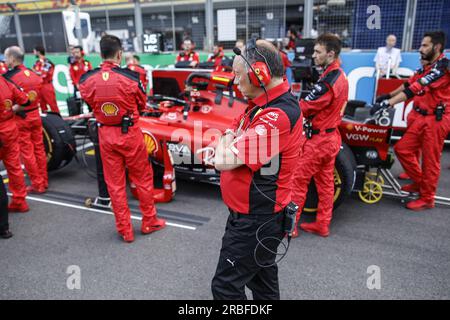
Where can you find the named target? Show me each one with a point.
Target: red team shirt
(269, 136)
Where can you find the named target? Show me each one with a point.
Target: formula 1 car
(190, 109)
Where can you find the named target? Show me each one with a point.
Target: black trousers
(3, 208)
(237, 267)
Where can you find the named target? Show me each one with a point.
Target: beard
(429, 56)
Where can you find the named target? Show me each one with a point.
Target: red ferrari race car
(190, 109)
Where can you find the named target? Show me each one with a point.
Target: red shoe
(16, 206)
(411, 188)
(404, 176)
(153, 225)
(419, 205)
(35, 190)
(127, 236)
(319, 229)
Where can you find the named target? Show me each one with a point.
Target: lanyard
(241, 124)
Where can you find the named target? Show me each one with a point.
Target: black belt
(237, 215)
(422, 111)
(112, 125)
(29, 110)
(317, 131)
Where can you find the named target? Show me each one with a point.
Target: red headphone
(259, 73)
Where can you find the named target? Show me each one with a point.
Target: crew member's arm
(266, 137)
(225, 159)
(87, 91)
(73, 76)
(20, 98)
(320, 97)
(141, 97)
(435, 79)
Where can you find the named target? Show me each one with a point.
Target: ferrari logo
(8, 104)
(27, 73)
(105, 76)
(257, 71)
(75, 68)
(32, 95)
(150, 143)
(109, 109)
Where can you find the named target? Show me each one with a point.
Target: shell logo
(27, 73)
(105, 76)
(150, 143)
(8, 104)
(349, 127)
(75, 68)
(109, 109)
(32, 95)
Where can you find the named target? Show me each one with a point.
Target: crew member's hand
(193, 64)
(382, 98)
(378, 106)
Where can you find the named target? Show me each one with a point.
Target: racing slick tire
(59, 142)
(344, 180)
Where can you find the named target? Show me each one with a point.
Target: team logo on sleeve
(32, 95)
(8, 104)
(105, 76)
(260, 130)
(273, 116)
(109, 109)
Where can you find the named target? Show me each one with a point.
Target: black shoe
(6, 234)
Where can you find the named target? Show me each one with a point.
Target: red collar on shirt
(273, 93)
(21, 67)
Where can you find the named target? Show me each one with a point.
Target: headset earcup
(262, 72)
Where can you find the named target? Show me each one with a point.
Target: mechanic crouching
(116, 95)
(256, 158)
(426, 135)
(323, 109)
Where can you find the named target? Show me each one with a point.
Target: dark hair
(269, 55)
(437, 37)
(40, 49)
(78, 47)
(109, 46)
(330, 42)
(137, 58)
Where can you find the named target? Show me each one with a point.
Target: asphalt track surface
(412, 250)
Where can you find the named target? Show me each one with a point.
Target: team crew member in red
(32, 149)
(78, 67)
(45, 69)
(428, 131)
(417, 101)
(116, 96)
(11, 97)
(133, 64)
(323, 109)
(217, 56)
(188, 54)
(256, 158)
(3, 67)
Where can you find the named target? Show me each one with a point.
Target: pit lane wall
(359, 67)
